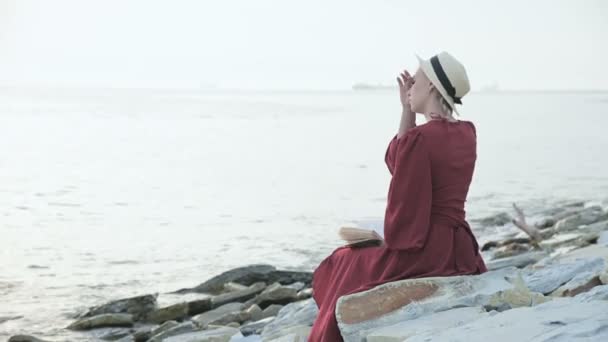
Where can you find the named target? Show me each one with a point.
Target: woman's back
(452, 152)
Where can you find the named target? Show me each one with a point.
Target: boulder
(163, 327)
(248, 275)
(560, 320)
(114, 334)
(231, 312)
(275, 294)
(173, 312)
(255, 312)
(103, 320)
(394, 302)
(232, 286)
(293, 317)
(198, 306)
(137, 306)
(238, 295)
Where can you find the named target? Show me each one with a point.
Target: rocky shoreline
(548, 281)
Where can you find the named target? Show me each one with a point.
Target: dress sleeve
(408, 210)
(389, 156)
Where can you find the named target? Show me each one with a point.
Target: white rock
(223, 334)
(293, 315)
(545, 280)
(560, 239)
(587, 216)
(560, 320)
(436, 322)
(179, 329)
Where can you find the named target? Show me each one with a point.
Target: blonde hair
(447, 109)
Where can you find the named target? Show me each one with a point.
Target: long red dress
(425, 230)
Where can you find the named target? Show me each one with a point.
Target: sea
(111, 193)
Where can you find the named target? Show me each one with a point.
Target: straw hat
(447, 75)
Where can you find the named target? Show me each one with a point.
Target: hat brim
(427, 68)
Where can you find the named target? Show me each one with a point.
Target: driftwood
(533, 232)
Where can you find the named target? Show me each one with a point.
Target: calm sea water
(112, 193)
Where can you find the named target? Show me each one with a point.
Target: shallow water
(112, 193)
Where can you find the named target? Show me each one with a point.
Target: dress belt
(457, 224)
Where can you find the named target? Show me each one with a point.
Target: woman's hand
(405, 81)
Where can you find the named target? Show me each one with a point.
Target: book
(359, 237)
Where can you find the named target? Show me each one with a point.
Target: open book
(356, 237)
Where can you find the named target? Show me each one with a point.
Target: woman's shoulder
(434, 127)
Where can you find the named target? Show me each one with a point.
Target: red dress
(425, 229)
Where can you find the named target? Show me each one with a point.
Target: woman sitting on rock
(425, 231)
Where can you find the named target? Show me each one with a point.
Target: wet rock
(297, 285)
(25, 338)
(104, 320)
(179, 329)
(293, 318)
(137, 306)
(198, 306)
(404, 300)
(239, 295)
(519, 261)
(559, 320)
(249, 275)
(255, 327)
(494, 244)
(173, 312)
(223, 334)
(163, 327)
(226, 313)
(548, 278)
(275, 294)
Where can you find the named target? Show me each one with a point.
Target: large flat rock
(395, 302)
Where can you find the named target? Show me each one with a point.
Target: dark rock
(173, 312)
(137, 306)
(103, 320)
(255, 327)
(499, 219)
(249, 275)
(198, 306)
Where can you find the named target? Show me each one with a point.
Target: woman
(425, 231)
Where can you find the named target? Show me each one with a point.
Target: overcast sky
(310, 44)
